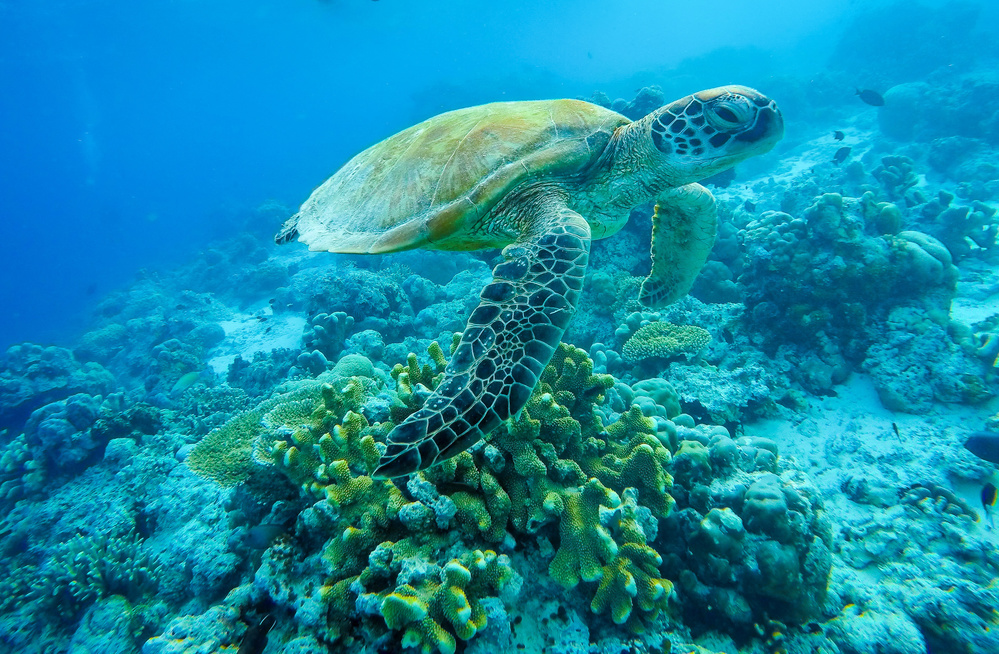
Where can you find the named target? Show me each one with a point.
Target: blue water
(135, 134)
(787, 459)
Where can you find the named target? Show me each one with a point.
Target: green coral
(315, 443)
(632, 578)
(415, 382)
(437, 613)
(225, 455)
(585, 544)
(88, 568)
(301, 431)
(557, 463)
(555, 469)
(664, 340)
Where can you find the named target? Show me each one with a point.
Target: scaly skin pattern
(433, 184)
(509, 339)
(542, 179)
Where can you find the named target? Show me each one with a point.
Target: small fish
(255, 639)
(872, 98)
(184, 383)
(984, 445)
(722, 180)
(842, 154)
(260, 537)
(838, 135)
(749, 206)
(988, 501)
(894, 428)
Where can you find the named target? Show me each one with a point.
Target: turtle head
(707, 132)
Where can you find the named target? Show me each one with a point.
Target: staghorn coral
(82, 571)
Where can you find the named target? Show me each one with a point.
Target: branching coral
(555, 468)
(327, 332)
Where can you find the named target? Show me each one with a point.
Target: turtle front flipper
(508, 341)
(684, 226)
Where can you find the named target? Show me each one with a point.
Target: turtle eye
(729, 112)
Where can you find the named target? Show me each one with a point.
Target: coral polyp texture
(794, 457)
(663, 339)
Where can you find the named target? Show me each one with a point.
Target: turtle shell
(430, 185)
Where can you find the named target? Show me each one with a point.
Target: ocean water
(196, 423)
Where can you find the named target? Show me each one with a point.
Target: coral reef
(762, 540)
(195, 474)
(664, 340)
(32, 376)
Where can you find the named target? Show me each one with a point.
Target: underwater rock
(60, 431)
(822, 280)
(32, 376)
(743, 542)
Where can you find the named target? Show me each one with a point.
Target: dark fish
(260, 537)
(872, 98)
(984, 445)
(894, 428)
(749, 206)
(721, 180)
(91, 289)
(988, 501)
(838, 135)
(255, 639)
(842, 154)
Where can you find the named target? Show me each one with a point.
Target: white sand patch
(969, 311)
(260, 330)
(849, 438)
(977, 293)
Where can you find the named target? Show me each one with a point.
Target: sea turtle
(539, 179)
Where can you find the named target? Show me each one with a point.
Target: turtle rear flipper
(508, 341)
(684, 226)
(288, 231)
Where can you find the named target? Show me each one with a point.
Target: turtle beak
(768, 129)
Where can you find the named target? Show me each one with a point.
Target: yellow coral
(663, 339)
(584, 544)
(435, 614)
(632, 578)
